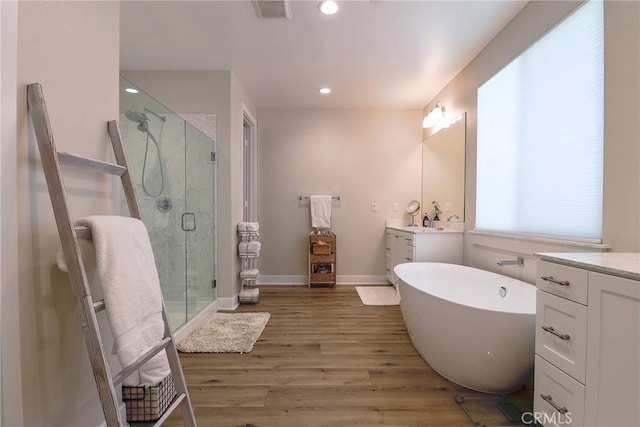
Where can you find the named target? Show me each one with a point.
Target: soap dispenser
(425, 220)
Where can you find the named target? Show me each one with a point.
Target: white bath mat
(378, 295)
(225, 333)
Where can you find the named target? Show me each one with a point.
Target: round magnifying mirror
(413, 209)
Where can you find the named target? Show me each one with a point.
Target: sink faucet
(429, 219)
(452, 217)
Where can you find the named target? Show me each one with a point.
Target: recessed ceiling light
(325, 90)
(131, 90)
(328, 7)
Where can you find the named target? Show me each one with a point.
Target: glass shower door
(198, 220)
(172, 167)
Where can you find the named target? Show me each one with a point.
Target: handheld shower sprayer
(143, 126)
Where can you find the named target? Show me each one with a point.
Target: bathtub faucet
(519, 262)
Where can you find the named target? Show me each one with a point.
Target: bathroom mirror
(443, 163)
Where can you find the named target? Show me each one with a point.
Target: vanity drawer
(561, 333)
(554, 387)
(406, 253)
(408, 239)
(566, 282)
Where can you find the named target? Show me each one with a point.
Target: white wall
(219, 93)
(622, 129)
(10, 380)
(363, 156)
(374, 156)
(72, 49)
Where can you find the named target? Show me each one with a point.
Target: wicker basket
(321, 249)
(148, 403)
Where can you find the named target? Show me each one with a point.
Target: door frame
(249, 166)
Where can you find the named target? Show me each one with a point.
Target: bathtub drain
(503, 291)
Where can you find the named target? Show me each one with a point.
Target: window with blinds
(540, 135)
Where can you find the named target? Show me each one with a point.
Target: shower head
(136, 116)
(143, 126)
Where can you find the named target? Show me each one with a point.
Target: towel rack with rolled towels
(162, 339)
(249, 251)
(306, 198)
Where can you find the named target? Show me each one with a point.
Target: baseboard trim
(281, 280)
(362, 280)
(228, 303)
(288, 280)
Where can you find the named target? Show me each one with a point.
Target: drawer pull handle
(549, 400)
(550, 329)
(557, 282)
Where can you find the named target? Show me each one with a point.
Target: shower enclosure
(173, 168)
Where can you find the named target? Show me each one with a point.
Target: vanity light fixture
(328, 7)
(436, 117)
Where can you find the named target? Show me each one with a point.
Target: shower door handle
(188, 221)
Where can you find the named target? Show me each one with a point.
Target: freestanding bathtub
(474, 327)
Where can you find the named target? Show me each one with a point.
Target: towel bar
(301, 198)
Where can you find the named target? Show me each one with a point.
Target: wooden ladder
(69, 235)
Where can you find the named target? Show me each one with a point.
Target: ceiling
(372, 53)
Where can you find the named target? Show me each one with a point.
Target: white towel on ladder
(132, 295)
(320, 211)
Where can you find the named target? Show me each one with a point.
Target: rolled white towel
(249, 248)
(251, 273)
(248, 226)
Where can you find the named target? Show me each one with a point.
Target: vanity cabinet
(587, 364)
(400, 249)
(409, 244)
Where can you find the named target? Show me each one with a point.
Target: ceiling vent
(272, 8)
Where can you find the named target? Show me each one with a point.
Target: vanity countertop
(424, 230)
(623, 264)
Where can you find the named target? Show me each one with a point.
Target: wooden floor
(324, 359)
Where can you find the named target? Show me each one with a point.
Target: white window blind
(540, 135)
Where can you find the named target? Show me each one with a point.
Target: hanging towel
(320, 211)
(133, 299)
